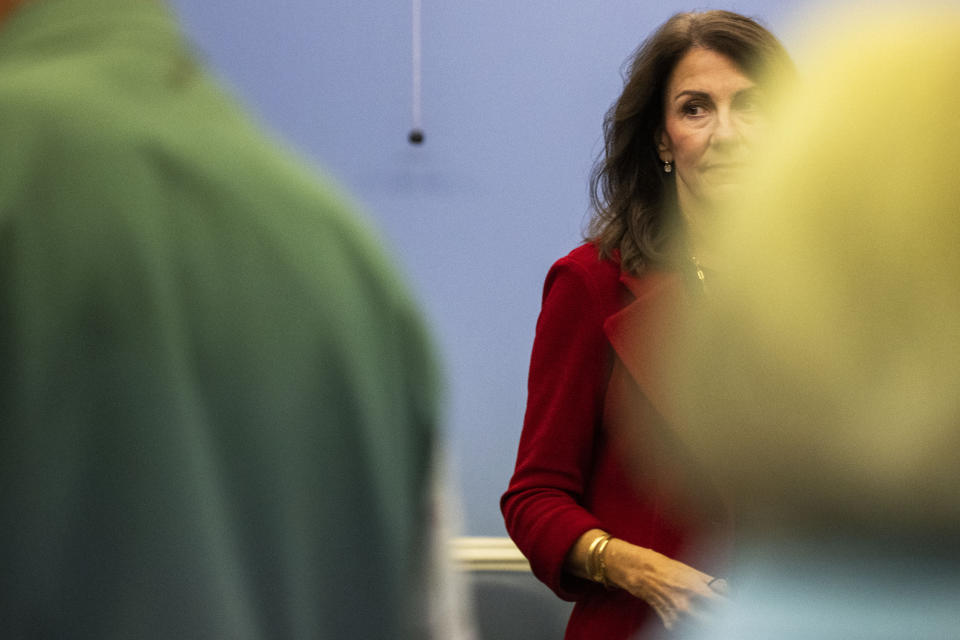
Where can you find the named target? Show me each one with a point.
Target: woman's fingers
(679, 594)
(667, 615)
(690, 605)
(719, 586)
(664, 609)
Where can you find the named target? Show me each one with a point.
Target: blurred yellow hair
(822, 383)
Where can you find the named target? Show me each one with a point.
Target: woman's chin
(724, 193)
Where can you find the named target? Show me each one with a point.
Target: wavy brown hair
(634, 208)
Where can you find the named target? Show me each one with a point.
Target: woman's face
(711, 115)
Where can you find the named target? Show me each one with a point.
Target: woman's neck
(699, 236)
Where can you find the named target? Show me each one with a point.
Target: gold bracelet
(593, 566)
(602, 562)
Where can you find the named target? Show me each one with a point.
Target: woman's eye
(693, 109)
(749, 103)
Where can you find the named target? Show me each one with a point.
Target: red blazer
(596, 449)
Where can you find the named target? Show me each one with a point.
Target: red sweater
(591, 366)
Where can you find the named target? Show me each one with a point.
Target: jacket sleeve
(543, 506)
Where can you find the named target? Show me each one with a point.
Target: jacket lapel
(646, 329)
(641, 409)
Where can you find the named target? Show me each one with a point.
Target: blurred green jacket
(217, 401)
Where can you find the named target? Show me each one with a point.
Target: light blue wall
(513, 97)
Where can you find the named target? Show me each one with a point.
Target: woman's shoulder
(587, 257)
(587, 275)
(587, 260)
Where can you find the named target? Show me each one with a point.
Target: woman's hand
(679, 593)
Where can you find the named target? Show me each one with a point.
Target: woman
(628, 537)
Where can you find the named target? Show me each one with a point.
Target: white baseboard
(487, 554)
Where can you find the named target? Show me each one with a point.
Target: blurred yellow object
(821, 385)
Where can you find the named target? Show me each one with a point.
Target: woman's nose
(726, 129)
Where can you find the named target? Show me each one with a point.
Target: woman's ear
(664, 149)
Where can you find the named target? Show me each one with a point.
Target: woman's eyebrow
(706, 96)
(691, 93)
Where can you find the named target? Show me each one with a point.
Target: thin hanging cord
(416, 133)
